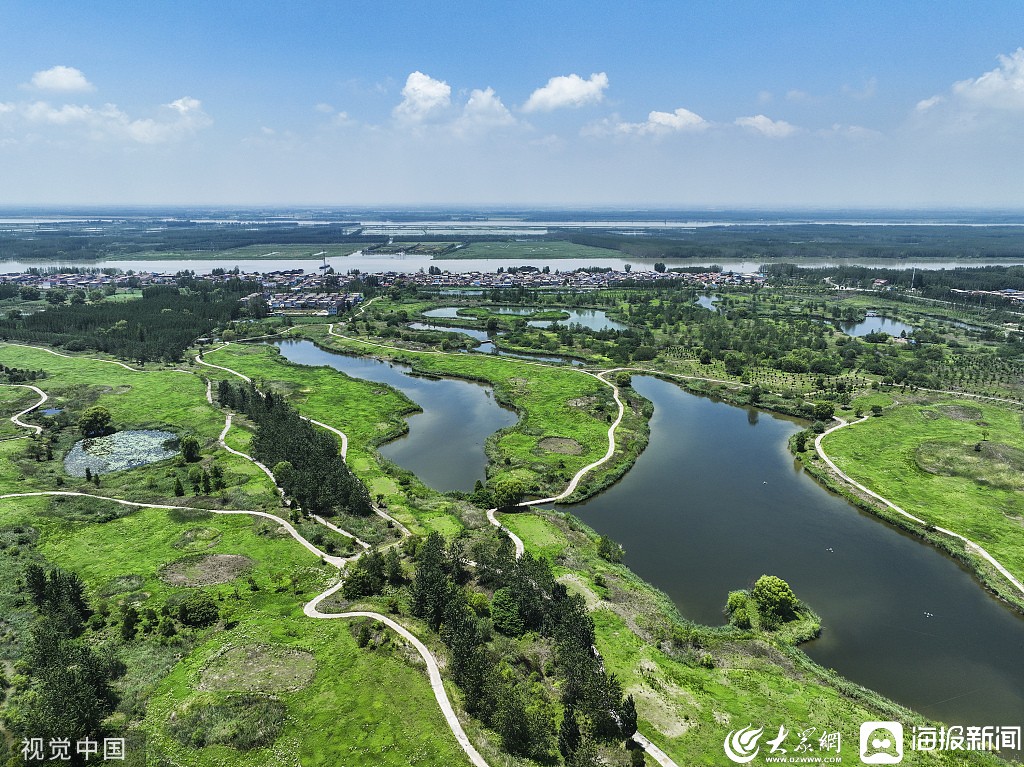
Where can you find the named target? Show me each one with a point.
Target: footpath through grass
(551, 401)
(955, 463)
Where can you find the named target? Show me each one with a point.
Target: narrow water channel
(716, 501)
(445, 443)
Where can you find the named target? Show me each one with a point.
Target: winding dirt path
(971, 545)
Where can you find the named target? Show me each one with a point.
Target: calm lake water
(716, 501)
(445, 443)
(479, 335)
(873, 324)
(595, 319)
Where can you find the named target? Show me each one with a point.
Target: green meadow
(955, 463)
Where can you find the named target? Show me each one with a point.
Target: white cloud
(186, 117)
(326, 109)
(567, 91)
(483, 110)
(851, 132)
(661, 123)
(61, 78)
(862, 94)
(925, 104)
(766, 126)
(765, 97)
(179, 119)
(1000, 88)
(423, 97)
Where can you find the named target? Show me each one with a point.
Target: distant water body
(410, 264)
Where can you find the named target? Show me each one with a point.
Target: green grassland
(551, 401)
(14, 399)
(538, 250)
(162, 399)
(252, 252)
(372, 705)
(922, 457)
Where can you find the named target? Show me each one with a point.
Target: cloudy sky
(698, 104)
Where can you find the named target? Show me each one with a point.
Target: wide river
(409, 264)
(716, 501)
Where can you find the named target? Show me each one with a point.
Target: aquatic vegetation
(119, 451)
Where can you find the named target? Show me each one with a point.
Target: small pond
(119, 451)
(594, 319)
(479, 335)
(489, 348)
(53, 411)
(444, 311)
(708, 302)
(874, 324)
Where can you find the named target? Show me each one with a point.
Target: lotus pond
(119, 451)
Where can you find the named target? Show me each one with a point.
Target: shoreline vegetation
(681, 674)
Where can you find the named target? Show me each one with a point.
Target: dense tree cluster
(498, 690)
(19, 375)
(305, 459)
(159, 326)
(66, 692)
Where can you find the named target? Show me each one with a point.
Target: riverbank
(885, 454)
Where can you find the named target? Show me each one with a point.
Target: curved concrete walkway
(433, 671)
(336, 561)
(971, 545)
(16, 419)
(311, 608)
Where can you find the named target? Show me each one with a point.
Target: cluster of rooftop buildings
(315, 284)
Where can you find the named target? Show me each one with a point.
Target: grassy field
(526, 251)
(922, 457)
(368, 705)
(14, 399)
(551, 401)
(251, 252)
(161, 399)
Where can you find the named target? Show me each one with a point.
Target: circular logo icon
(741, 745)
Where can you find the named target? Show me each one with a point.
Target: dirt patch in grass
(259, 668)
(582, 401)
(197, 539)
(992, 464)
(205, 570)
(561, 445)
(956, 412)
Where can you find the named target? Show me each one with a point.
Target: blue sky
(700, 104)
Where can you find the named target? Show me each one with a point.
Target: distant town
(324, 290)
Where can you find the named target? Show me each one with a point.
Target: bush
(505, 613)
(609, 549)
(775, 599)
(190, 448)
(198, 610)
(243, 722)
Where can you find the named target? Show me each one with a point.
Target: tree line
(65, 686)
(568, 706)
(304, 459)
(159, 326)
